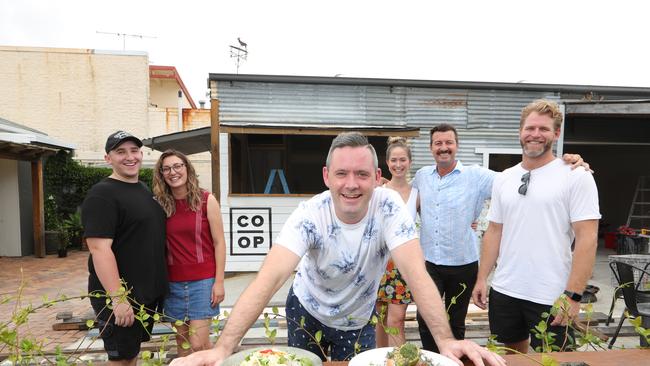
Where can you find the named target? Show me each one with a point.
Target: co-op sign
(250, 230)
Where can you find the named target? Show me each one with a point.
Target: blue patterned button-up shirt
(448, 206)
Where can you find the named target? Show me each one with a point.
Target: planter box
(52, 241)
(631, 244)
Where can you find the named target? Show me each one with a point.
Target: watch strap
(573, 295)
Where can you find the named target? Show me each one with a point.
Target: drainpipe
(180, 110)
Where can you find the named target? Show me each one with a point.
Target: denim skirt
(190, 300)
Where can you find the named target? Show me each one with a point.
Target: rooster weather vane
(239, 53)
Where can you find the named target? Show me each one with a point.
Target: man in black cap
(125, 230)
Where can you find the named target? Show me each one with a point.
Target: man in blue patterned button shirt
(451, 198)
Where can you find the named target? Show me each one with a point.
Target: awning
(19, 142)
(198, 140)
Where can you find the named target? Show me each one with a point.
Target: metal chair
(618, 294)
(630, 281)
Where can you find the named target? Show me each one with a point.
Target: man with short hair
(340, 240)
(451, 197)
(125, 230)
(538, 207)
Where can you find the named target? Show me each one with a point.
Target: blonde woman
(394, 296)
(196, 250)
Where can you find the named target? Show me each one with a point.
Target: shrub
(66, 183)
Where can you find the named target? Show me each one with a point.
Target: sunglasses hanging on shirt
(523, 188)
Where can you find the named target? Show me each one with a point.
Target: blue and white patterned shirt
(342, 264)
(448, 206)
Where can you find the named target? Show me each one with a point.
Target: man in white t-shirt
(538, 207)
(340, 240)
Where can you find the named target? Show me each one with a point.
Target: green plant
(21, 347)
(316, 338)
(66, 183)
(50, 213)
(584, 337)
(73, 228)
(64, 236)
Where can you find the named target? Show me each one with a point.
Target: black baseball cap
(117, 138)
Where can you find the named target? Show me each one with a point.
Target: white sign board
(250, 231)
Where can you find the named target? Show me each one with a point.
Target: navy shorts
(339, 343)
(190, 300)
(122, 343)
(512, 320)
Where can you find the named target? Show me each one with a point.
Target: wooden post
(214, 148)
(38, 215)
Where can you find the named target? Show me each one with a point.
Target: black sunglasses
(525, 179)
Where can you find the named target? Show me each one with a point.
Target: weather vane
(239, 53)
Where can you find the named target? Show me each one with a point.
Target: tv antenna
(124, 35)
(239, 53)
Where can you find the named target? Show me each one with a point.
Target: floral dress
(392, 288)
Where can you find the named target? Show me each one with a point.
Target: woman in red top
(196, 250)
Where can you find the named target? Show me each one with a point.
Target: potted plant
(52, 226)
(72, 225)
(64, 240)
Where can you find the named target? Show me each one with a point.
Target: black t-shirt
(128, 213)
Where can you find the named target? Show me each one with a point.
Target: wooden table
(628, 357)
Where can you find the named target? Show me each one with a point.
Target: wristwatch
(573, 295)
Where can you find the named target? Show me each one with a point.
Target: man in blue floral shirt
(340, 240)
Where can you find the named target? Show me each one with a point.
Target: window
(297, 158)
(501, 162)
(499, 159)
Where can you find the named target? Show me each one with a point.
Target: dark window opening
(298, 158)
(501, 162)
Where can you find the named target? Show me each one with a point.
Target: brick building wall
(76, 95)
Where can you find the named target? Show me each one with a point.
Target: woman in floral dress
(394, 296)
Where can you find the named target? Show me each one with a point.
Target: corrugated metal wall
(484, 118)
(309, 104)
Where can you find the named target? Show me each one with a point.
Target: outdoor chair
(634, 285)
(618, 294)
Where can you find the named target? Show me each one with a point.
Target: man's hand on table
(211, 357)
(455, 350)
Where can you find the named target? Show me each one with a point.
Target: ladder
(639, 216)
(283, 181)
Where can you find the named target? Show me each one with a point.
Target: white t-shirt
(342, 264)
(535, 257)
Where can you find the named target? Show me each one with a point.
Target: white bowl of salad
(273, 356)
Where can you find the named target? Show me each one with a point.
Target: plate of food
(273, 356)
(405, 355)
